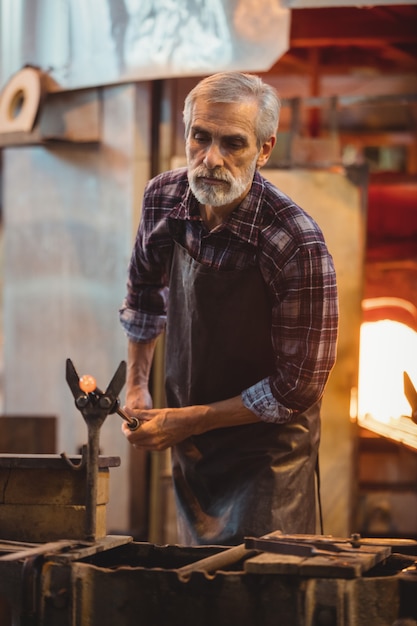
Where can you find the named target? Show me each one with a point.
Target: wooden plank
(50, 461)
(53, 546)
(82, 551)
(42, 523)
(63, 550)
(43, 486)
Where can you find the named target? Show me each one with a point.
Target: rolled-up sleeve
(260, 400)
(304, 334)
(143, 312)
(140, 327)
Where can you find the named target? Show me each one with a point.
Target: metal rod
(133, 422)
(216, 561)
(53, 546)
(93, 451)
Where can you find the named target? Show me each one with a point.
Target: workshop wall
(70, 211)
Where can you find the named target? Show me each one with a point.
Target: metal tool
(132, 422)
(411, 395)
(88, 385)
(295, 547)
(95, 406)
(313, 545)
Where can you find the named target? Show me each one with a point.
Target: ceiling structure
(370, 54)
(344, 39)
(365, 58)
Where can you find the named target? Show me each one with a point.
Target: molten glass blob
(87, 383)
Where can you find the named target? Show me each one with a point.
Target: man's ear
(266, 151)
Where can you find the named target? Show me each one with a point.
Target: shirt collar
(245, 220)
(242, 222)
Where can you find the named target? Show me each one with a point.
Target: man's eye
(234, 144)
(200, 137)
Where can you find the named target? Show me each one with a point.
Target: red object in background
(392, 219)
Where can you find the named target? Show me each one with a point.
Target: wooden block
(42, 523)
(43, 486)
(43, 499)
(28, 434)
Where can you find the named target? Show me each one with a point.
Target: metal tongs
(95, 406)
(99, 402)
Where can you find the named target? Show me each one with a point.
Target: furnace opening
(387, 349)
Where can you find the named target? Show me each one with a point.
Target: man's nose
(213, 157)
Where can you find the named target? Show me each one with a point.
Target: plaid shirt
(267, 229)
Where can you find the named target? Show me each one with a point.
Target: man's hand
(163, 428)
(138, 398)
(160, 428)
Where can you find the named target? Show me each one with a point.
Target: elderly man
(242, 280)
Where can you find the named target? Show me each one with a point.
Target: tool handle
(132, 422)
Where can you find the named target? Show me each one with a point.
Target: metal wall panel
(69, 212)
(95, 42)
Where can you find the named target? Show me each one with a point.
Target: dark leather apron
(242, 480)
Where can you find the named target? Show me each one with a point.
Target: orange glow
(87, 383)
(387, 349)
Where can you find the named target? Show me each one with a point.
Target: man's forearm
(139, 363)
(230, 412)
(163, 428)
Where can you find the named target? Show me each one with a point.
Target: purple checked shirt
(267, 229)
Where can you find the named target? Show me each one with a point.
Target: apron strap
(319, 495)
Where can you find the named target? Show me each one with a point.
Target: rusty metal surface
(142, 585)
(139, 583)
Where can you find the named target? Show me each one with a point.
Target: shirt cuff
(141, 327)
(260, 400)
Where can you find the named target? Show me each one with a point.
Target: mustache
(217, 173)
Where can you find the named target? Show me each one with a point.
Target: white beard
(219, 195)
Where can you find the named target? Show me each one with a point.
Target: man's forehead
(231, 118)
